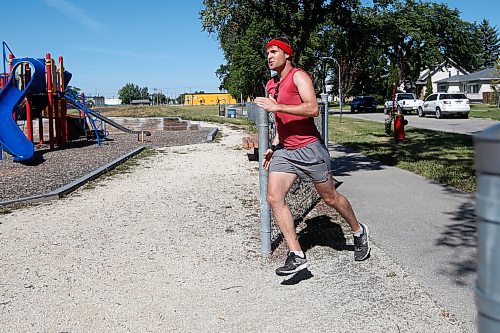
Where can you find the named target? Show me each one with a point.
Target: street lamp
(340, 87)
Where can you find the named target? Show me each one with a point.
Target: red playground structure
(37, 88)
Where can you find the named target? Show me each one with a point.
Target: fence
(491, 97)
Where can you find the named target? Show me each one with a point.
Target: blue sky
(153, 43)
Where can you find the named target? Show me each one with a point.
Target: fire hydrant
(399, 127)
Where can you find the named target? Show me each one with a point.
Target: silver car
(444, 104)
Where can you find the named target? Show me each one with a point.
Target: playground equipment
(92, 115)
(37, 88)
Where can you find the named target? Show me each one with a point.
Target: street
(454, 125)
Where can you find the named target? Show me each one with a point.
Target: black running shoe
(361, 245)
(293, 264)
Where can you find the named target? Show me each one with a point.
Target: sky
(157, 44)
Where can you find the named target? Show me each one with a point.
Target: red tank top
(294, 131)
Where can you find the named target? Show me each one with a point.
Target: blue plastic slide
(12, 138)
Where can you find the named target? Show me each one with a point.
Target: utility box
(487, 151)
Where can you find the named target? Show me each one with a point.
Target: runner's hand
(268, 156)
(267, 103)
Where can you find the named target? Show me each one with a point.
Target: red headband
(282, 45)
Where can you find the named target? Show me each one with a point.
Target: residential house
(95, 100)
(477, 85)
(444, 70)
(112, 101)
(209, 99)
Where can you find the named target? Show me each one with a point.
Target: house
(446, 69)
(112, 101)
(140, 102)
(209, 99)
(477, 85)
(95, 100)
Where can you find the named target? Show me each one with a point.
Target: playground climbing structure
(37, 88)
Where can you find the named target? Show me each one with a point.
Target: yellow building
(209, 99)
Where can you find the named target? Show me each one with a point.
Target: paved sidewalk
(428, 228)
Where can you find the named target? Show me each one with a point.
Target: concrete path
(426, 227)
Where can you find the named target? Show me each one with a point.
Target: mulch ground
(51, 169)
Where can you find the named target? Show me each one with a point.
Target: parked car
(405, 102)
(444, 104)
(364, 103)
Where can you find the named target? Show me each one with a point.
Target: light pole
(340, 87)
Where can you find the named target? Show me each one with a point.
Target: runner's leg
(278, 186)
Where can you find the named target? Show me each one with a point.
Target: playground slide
(12, 138)
(105, 119)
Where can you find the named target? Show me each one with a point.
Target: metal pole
(340, 82)
(324, 114)
(340, 93)
(265, 220)
(487, 152)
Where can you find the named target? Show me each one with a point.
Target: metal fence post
(324, 114)
(487, 158)
(265, 220)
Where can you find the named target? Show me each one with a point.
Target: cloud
(77, 14)
(119, 53)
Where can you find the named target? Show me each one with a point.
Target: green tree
(130, 92)
(244, 26)
(355, 48)
(180, 99)
(159, 98)
(144, 93)
(428, 86)
(370, 42)
(489, 44)
(74, 91)
(421, 35)
(495, 83)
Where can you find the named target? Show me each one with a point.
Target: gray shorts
(311, 162)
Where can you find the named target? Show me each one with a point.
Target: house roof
(486, 74)
(427, 72)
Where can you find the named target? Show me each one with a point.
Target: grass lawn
(484, 111)
(447, 158)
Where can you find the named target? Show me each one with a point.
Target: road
(455, 125)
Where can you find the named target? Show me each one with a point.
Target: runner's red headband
(282, 45)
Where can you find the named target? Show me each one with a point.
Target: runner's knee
(273, 200)
(333, 199)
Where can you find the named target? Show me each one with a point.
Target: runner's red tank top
(294, 131)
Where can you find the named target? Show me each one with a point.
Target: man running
(298, 151)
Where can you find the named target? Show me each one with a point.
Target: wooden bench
(249, 143)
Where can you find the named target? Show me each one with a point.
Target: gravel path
(172, 246)
(52, 169)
